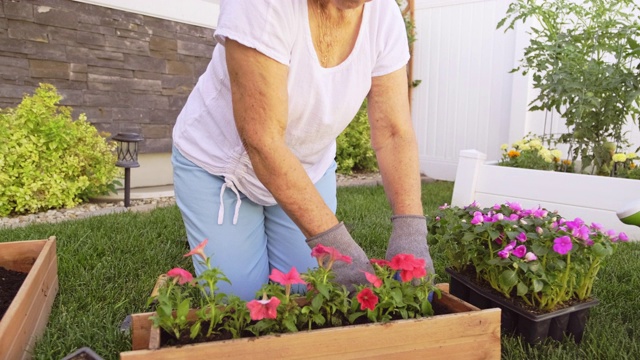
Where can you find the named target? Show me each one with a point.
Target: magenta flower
(514, 217)
(514, 206)
(497, 207)
(522, 237)
(367, 299)
(503, 253)
(519, 251)
(478, 218)
(445, 206)
(623, 237)
(263, 309)
(562, 245)
(182, 275)
(530, 257)
(498, 217)
(597, 226)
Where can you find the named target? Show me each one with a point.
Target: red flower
(292, 277)
(367, 299)
(408, 266)
(263, 309)
(199, 250)
(374, 280)
(182, 275)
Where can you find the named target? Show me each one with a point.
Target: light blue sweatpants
(263, 238)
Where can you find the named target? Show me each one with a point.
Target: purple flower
(519, 251)
(498, 217)
(437, 218)
(514, 217)
(539, 213)
(522, 237)
(514, 206)
(511, 246)
(612, 234)
(581, 233)
(477, 219)
(597, 227)
(530, 257)
(503, 253)
(623, 237)
(562, 245)
(496, 207)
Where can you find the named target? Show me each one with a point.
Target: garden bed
(590, 197)
(28, 313)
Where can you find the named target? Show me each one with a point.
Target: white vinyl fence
(467, 98)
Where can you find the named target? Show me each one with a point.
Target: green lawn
(107, 267)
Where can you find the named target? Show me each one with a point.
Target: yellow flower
(524, 147)
(504, 147)
(619, 157)
(518, 144)
(632, 155)
(513, 153)
(632, 165)
(557, 154)
(546, 155)
(535, 144)
(566, 162)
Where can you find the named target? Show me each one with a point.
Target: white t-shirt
(322, 101)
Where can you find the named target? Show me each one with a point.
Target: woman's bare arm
(394, 142)
(260, 108)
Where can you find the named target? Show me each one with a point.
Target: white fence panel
(464, 100)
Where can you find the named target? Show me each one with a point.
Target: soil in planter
(10, 282)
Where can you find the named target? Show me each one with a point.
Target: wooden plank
(20, 255)
(28, 313)
(473, 334)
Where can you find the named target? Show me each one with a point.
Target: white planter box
(589, 197)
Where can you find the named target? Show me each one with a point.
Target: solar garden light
(127, 148)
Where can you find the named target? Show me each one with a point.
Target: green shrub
(354, 151)
(48, 160)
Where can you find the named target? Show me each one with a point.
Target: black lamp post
(127, 158)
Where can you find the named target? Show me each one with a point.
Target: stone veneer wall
(127, 72)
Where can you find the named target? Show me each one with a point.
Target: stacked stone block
(126, 71)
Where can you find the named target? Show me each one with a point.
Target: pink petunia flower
(367, 299)
(263, 309)
(292, 277)
(530, 257)
(322, 253)
(409, 266)
(562, 245)
(199, 250)
(519, 251)
(182, 275)
(374, 280)
(522, 237)
(380, 262)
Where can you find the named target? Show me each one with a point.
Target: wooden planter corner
(466, 333)
(27, 316)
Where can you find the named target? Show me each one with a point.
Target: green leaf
(522, 288)
(508, 279)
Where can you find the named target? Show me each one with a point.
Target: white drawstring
(228, 184)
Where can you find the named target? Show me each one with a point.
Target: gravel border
(143, 205)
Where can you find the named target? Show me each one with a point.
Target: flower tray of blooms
(400, 312)
(532, 263)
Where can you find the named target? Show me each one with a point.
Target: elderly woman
(254, 146)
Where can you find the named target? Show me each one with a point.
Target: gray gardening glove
(339, 238)
(409, 236)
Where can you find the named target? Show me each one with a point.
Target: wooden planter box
(590, 197)
(27, 316)
(466, 333)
